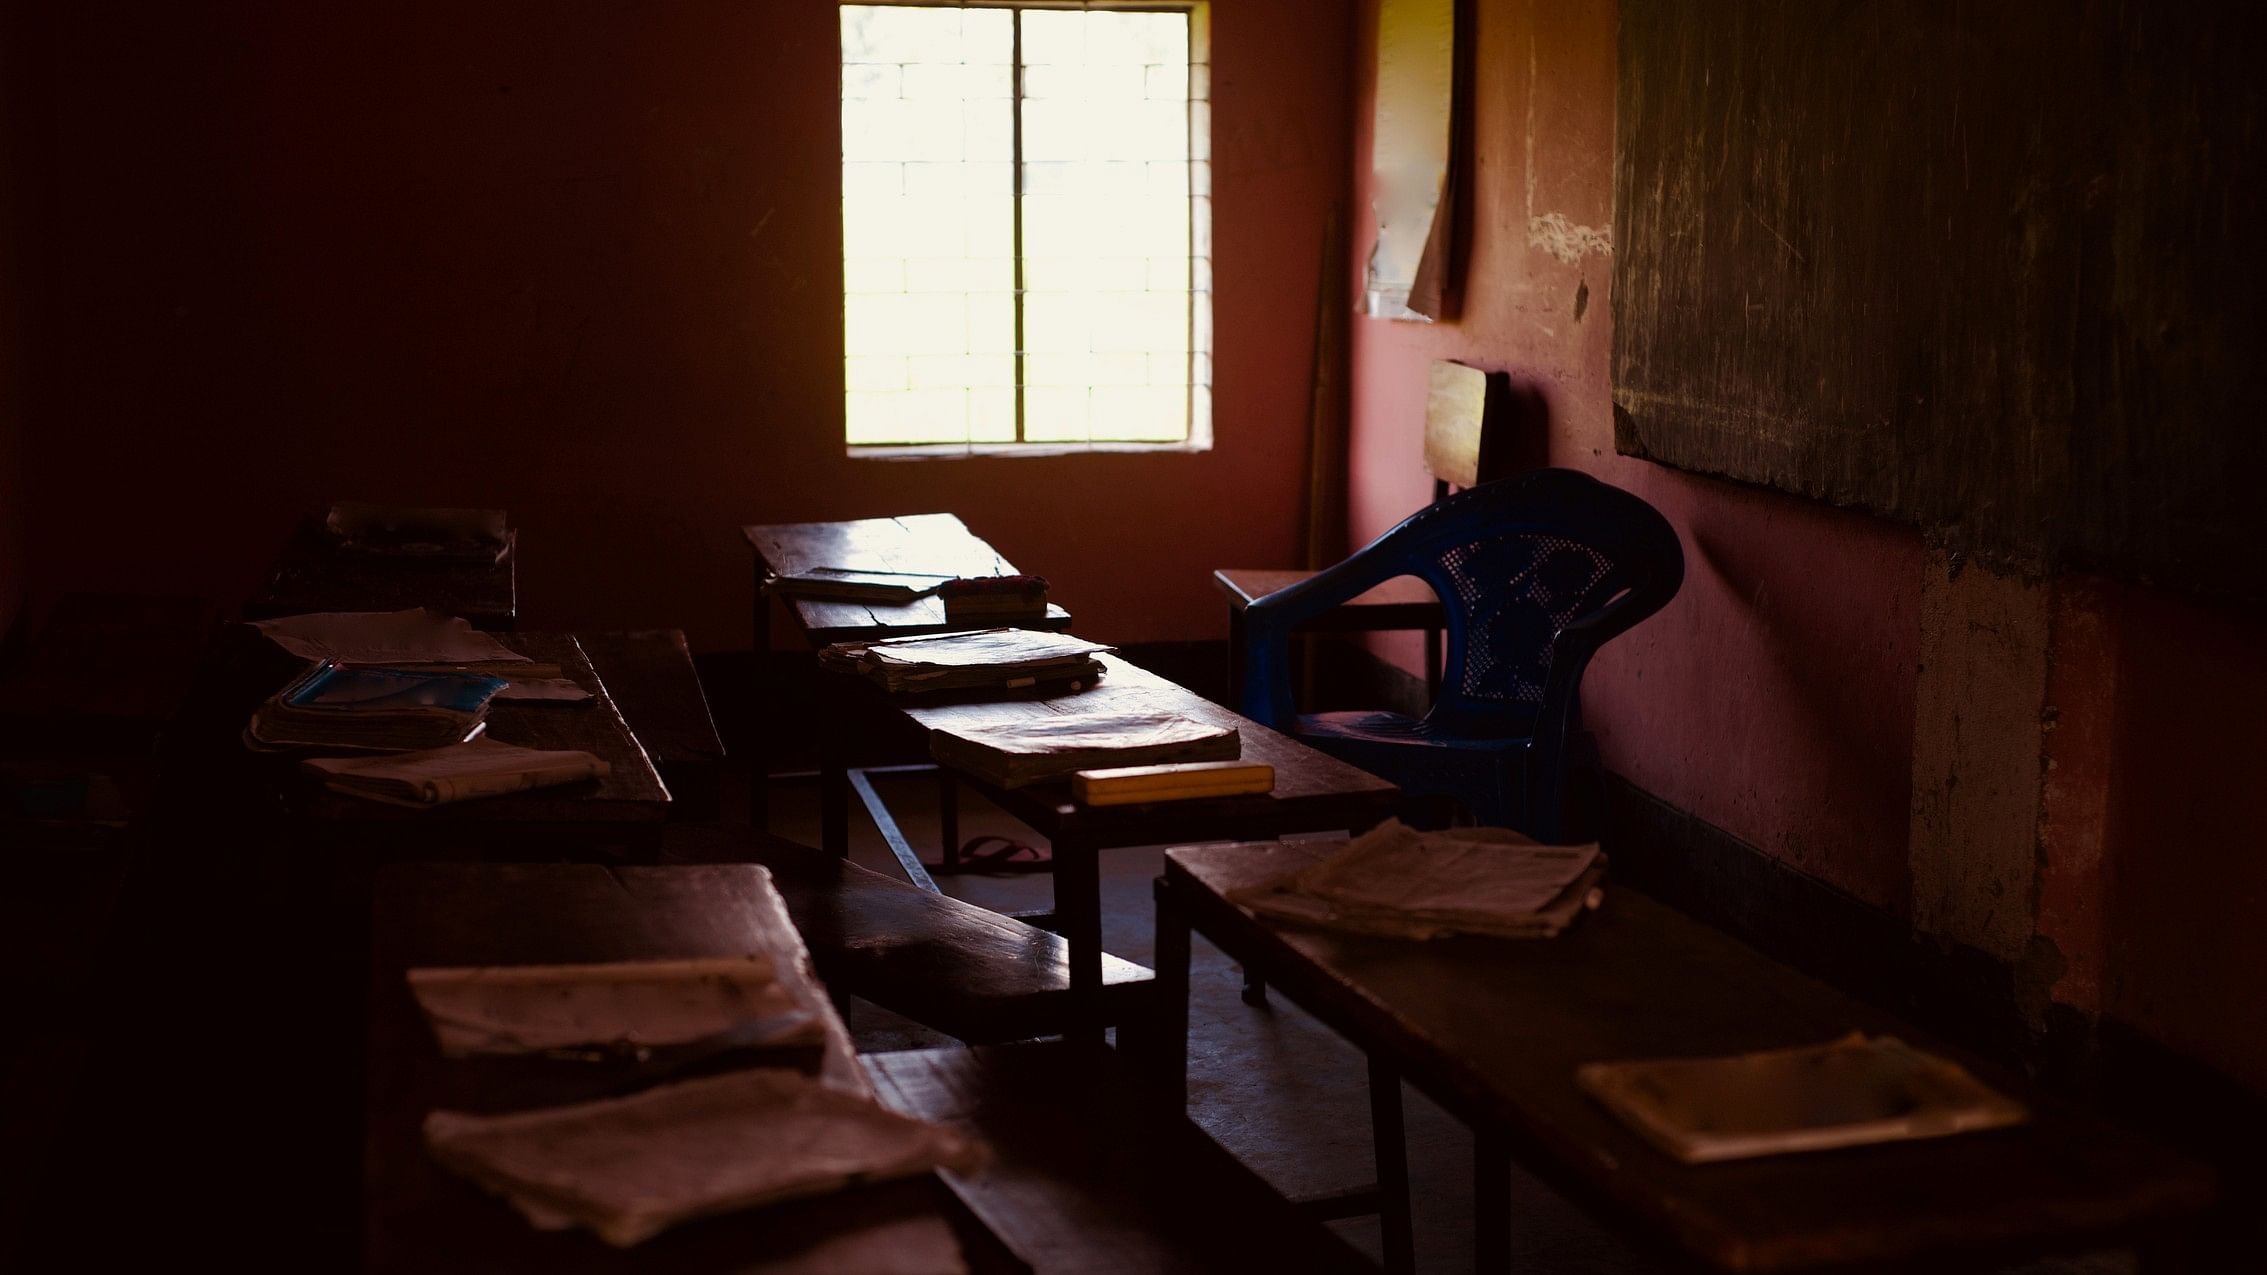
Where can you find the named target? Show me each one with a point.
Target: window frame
(1201, 329)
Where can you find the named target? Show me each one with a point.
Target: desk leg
(1078, 909)
(1491, 1202)
(762, 701)
(1236, 659)
(1169, 1039)
(948, 817)
(1390, 1140)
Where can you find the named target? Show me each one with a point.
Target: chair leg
(1255, 990)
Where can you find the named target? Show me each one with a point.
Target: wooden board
(420, 1218)
(313, 574)
(1983, 268)
(1494, 1030)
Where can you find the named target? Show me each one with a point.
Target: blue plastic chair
(1535, 573)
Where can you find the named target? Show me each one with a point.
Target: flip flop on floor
(981, 853)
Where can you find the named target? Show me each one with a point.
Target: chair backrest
(1534, 573)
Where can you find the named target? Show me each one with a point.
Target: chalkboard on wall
(1989, 268)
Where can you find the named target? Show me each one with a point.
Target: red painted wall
(1774, 697)
(581, 260)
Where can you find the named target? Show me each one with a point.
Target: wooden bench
(650, 674)
(1090, 1175)
(968, 972)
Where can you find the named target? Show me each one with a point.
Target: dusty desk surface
(1313, 790)
(1494, 1029)
(418, 1217)
(313, 574)
(934, 544)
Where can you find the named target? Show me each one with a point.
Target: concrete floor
(1274, 1086)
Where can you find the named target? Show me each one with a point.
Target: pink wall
(1776, 698)
(581, 260)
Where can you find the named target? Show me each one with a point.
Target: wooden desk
(313, 574)
(1494, 1029)
(632, 794)
(420, 1218)
(937, 544)
(1313, 792)
(215, 775)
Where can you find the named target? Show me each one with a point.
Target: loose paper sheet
(386, 637)
(1395, 880)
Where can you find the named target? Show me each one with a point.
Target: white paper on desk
(629, 1168)
(416, 636)
(460, 772)
(526, 1008)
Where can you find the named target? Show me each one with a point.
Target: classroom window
(1026, 229)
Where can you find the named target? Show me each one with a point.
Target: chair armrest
(1270, 620)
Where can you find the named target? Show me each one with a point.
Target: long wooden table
(421, 1219)
(1313, 792)
(1494, 1029)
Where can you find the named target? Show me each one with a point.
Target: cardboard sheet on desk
(416, 636)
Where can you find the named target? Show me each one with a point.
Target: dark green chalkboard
(1991, 268)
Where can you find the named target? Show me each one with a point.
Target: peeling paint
(1556, 235)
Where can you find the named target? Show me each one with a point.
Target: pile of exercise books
(455, 772)
(1045, 745)
(334, 706)
(1398, 882)
(987, 659)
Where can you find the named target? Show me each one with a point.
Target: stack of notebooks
(988, 659)
(1044, 746)
(456, 772)
(1017, 599)
(373, 709)
(1397, 882)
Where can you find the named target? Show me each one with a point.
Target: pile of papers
(987, 659)
(1012, 754)
(1398, 882)
(458, 772)
(1847, 1092)
(379, 709)
(629, 1168)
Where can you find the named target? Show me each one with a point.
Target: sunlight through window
(1073, 313)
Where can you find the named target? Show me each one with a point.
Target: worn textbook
(373, 709)
(458, 772)
(1002, 659)
(1843, 1093)
(1052, 745)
